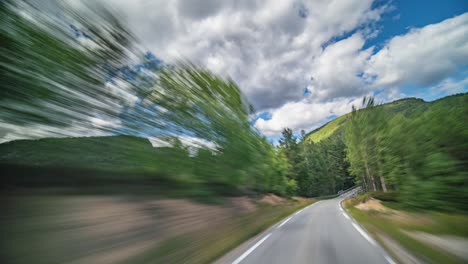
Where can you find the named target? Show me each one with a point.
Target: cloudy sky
(303, 63)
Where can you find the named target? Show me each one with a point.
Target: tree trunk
(371, 178)
(382, 179)
(364, 182)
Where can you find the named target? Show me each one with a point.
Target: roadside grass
(205, 246)
(377, 223)
(441, 223)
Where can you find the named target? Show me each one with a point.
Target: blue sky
(401, 18)
(415, 14)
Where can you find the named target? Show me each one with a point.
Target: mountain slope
(406, 106)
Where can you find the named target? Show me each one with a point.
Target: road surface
(320, 233)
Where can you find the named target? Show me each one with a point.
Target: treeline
(316, 169)
(423, 155)
(415, 150)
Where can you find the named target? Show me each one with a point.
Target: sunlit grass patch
(398, 225)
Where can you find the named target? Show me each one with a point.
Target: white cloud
(267, 47)
(423, 56)
(9, 132)
(335, 71)
(108, 123)
(303, 115)
(193, 144)
(390, 94)
(122, 90)
(160, 142)
(450, 86)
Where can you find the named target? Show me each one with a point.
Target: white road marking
(389, 260)
(364, 234)
(345, 215)
(368, 238)
(284, 222)
(298, 212)
(242, 257)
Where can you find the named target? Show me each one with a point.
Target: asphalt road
(320, 233)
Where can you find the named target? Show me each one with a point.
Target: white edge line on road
(368, 238)
(242, 257)
(389, 259)
(345, 215)
(284, 222)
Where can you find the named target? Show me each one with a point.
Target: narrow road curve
(320, 233)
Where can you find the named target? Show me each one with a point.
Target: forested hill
(413, 148)
(405, 106)
(318, 161)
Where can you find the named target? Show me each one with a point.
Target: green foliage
(318, 168)
(421, 154)
(404, 106)
(46, 76)
(291, 187)
(242, 159)
(390, 196)
(327, 161)
(288, 145)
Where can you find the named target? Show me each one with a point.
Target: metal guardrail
(336, 195)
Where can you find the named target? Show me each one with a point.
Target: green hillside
(326, 130)
(93, 162)
(406, 106)
(113, 153)
(417, 149)
(113, 164)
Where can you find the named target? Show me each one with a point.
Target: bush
(291, 187)
(362, 197)
(385, 196)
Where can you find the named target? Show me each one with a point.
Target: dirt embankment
(112, 229)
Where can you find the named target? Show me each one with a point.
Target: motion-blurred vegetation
(414, 149)
(101, 136)
(59, 78)
(422, 155)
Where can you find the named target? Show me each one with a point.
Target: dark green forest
(318, 169)
(415, 150)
